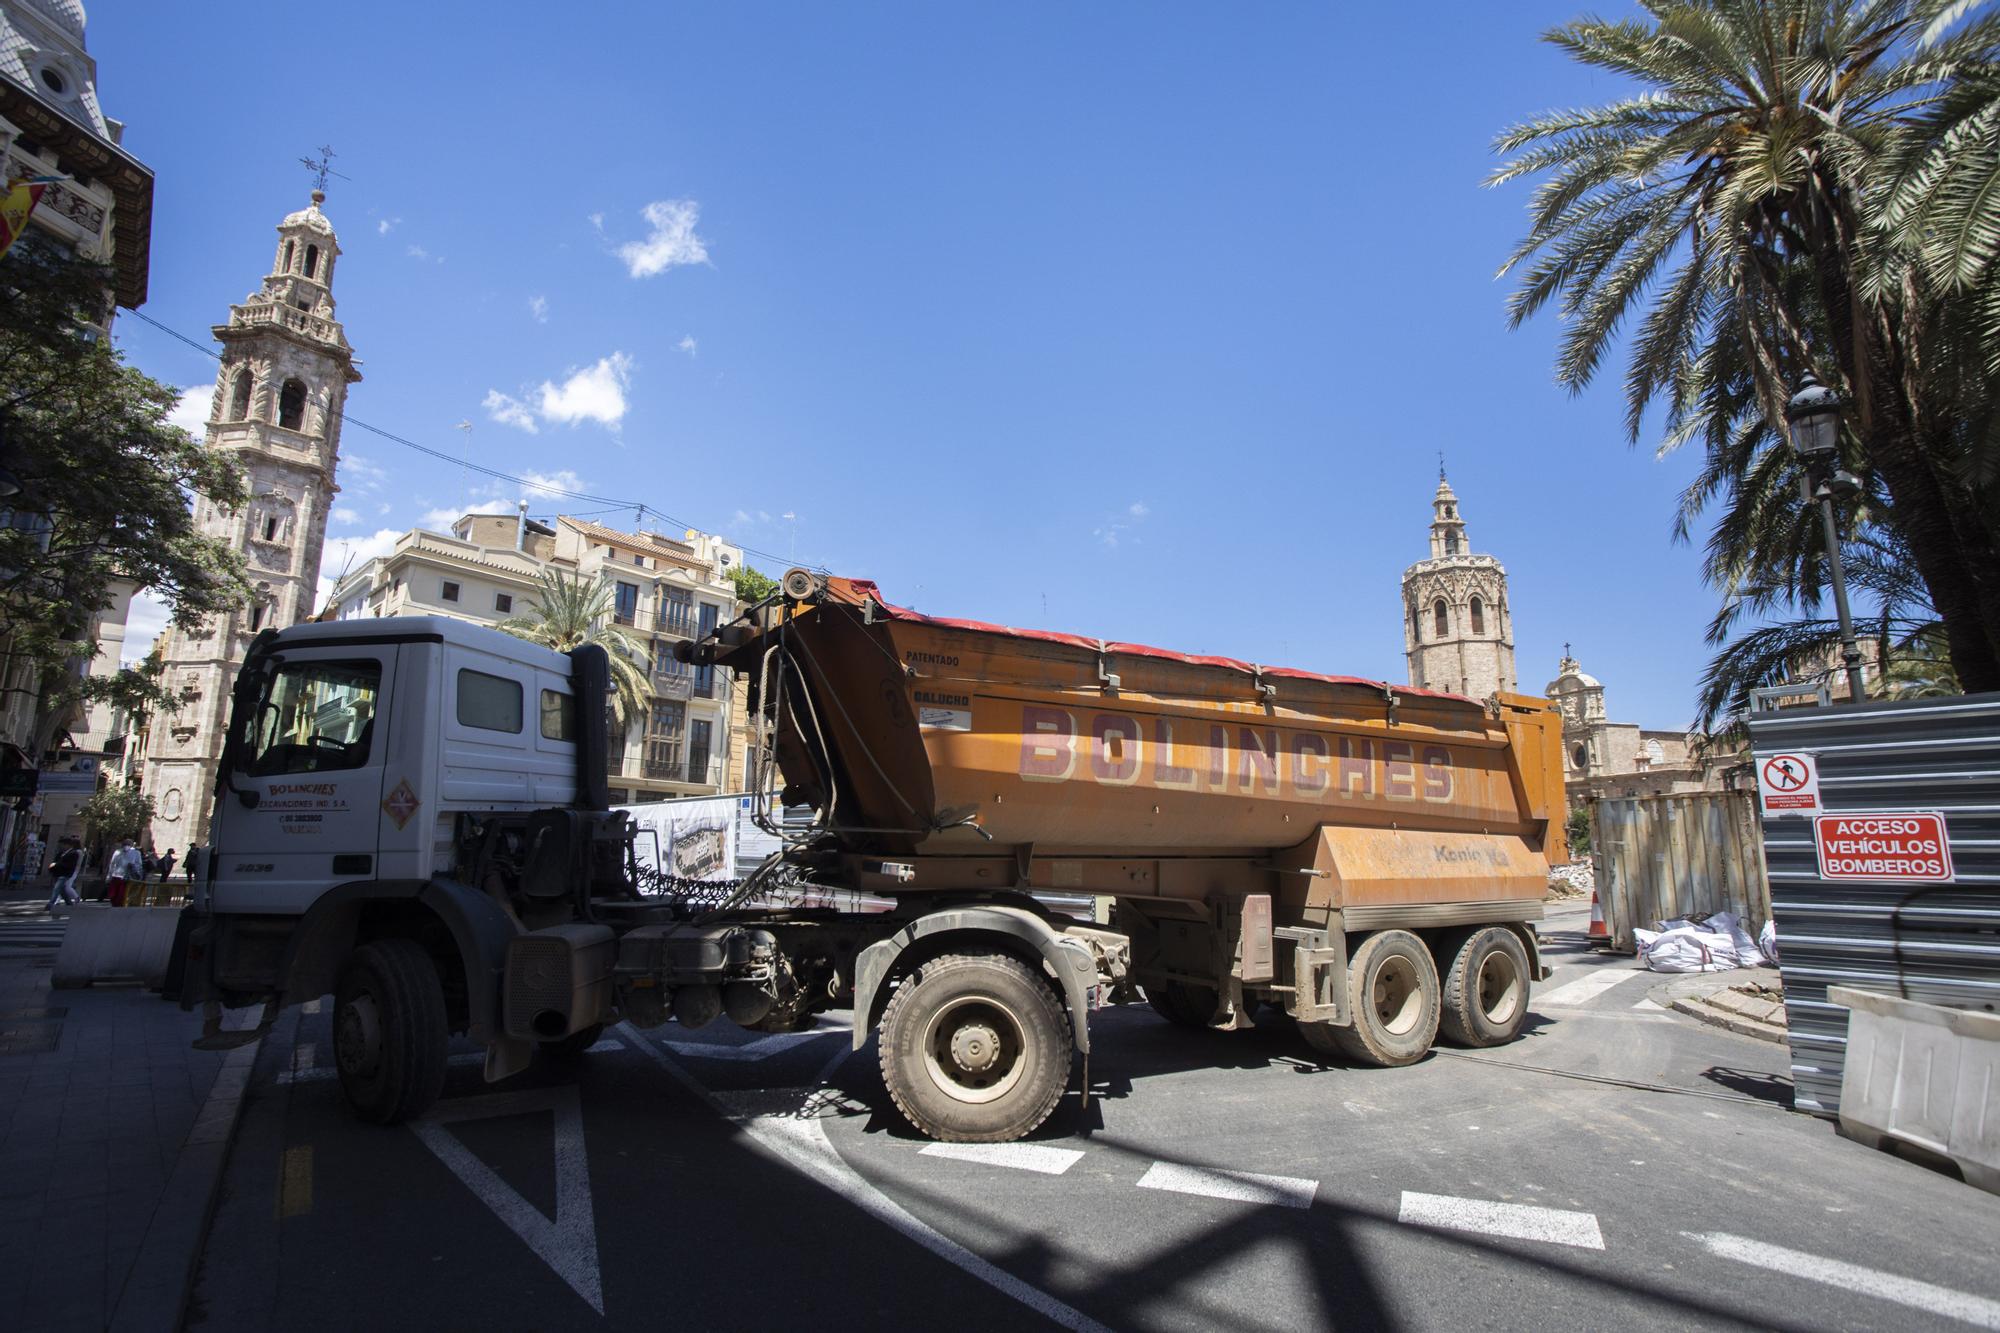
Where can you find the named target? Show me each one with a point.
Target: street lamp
(1813, 416)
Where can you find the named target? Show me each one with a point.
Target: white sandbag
(1688, 949)
(1767, 940)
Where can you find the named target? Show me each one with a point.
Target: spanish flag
(15, 205)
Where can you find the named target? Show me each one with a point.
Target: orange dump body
(996, 757)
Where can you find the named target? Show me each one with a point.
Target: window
(1451, 543)
(663, 739)
(1478, 610)
(614, 738)
(626, 607)
(312, 260)
(676, 611)
(449, 591)
(271, 527)
(314, 717)
(698, 737)
(558, 716)
(638, 560)
(491, 703)
(292, 405)
(287, 266)
(1442, 615)
(1580, 757)
(239, 396)
(53, 81)
(256, 617)
(503, 601)
(704, 676)
(666, 718)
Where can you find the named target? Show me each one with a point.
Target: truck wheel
(1392, 994)
(975, 1049)
(1182, 1003)
(389, 1031)
(1486, 989)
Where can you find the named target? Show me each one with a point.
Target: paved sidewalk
(1715, 998)
(113, 1133)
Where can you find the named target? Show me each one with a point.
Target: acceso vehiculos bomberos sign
(1903, 846)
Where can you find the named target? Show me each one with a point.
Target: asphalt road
(712, 1180)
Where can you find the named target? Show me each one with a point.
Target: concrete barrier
(1923, 1074)
(105, 943)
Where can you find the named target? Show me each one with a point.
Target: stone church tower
(277, 408)
(1458, 628)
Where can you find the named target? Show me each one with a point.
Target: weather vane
(1440, 465)
(321, 167)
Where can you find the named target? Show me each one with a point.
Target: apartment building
(663, 590)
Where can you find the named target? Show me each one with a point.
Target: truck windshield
(315, 716)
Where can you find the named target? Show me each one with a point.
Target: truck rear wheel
(975, 1049)
(1392, 996)
(1485, 988)
(389, 1031)
(1182, 1003)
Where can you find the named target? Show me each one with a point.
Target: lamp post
(1813, 416)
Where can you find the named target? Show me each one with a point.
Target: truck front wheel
(1392, 997)
(1181, 1003)
(389, 1031)
(975, 1049)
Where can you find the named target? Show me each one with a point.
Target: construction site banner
(693, 839)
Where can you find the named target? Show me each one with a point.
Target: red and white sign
(1906, 846)
(1788, 784)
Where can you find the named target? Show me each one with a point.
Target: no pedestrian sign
(1904, 846)
(1788, 784)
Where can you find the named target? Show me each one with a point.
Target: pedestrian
(122, 870)
(193, 861)
(167, 866)
(66, 867)
(149, 864)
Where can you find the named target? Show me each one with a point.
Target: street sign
(1788, 784)
(1904, 846)
(18, 781)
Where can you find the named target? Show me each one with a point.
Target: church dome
(309, 217)
(65, 14)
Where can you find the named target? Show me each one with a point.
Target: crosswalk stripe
(1243, 1186)
(1926, 1296)
(1021, 1156)
(1588, 987)
(1519, 1221)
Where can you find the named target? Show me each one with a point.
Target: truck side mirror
(248, 796)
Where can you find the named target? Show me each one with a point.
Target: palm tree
(567, 613)
(1799, 185)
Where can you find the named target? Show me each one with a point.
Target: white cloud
(440, 520)
(595, 393)
(538, 306)
(1116, 529)
(510, 411)
(548, 483)
(143, 623)
(688, 344)
(191, 409)
(362, 472)
(416, 252)
(345, 515)
(597, 221)
(386, 225)
(344, 555)
(672, 241)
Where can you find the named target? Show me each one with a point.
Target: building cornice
(131, 182)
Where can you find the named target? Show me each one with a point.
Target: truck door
(300, 806)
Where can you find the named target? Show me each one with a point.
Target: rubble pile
(1574, 880)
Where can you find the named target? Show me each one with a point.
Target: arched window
(286, 267)
(239, 396)
(1442, 615)
(312, 260)
(292, 405)
(1451, 543)
(1478, 616)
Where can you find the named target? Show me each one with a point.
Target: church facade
(1458, 627)
(279, 395)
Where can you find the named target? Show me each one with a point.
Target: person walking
(193, 863)
(66, 867)
(123, 869)
(167, 866)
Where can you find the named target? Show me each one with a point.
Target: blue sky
(1141, 321)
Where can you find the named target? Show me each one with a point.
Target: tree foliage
(752, 585)
(567, 612)
(105, 486)
(116, 813)
(1797, 185)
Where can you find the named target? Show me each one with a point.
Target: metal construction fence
(1657, 858)
(1934, 942)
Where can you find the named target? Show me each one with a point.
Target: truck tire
(1485, 988)
(975, 1049)
(1182, 1003)
(1392, 994)
(389, 1031)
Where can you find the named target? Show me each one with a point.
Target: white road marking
(567, 1242)
(801, 1143)
(1649, 1004)
(608, 1044)
(1246, 1186)
(1587, 987)
(1925, 1296)
(1022, 1156)
(1556, 1226)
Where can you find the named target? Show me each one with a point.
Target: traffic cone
(1599, 932)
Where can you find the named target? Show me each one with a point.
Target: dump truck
(412, 815)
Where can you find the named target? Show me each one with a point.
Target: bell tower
(1458, 627)
(279, 395)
